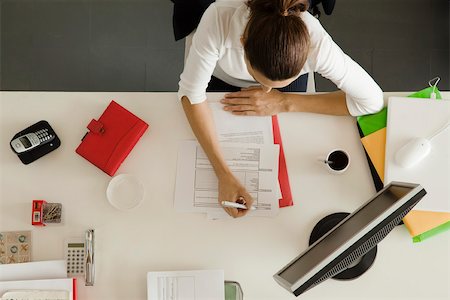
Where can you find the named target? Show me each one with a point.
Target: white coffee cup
(337, 161)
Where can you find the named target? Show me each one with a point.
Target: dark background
(128, 45)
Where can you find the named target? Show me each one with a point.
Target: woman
(260, 46)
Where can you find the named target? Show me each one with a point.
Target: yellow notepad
(420, 222)
(375, 145)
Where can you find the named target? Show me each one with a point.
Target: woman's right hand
(230, 189)
(202, 124)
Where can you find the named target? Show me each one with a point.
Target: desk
(155, 237)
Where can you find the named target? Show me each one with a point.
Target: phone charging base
(36, 153)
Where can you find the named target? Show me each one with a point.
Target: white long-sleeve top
(217, 50)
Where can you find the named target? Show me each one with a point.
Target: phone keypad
(43, 135)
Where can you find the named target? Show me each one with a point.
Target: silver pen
(89, 273)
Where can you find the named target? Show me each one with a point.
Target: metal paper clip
(433, 83)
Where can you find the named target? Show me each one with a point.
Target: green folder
(372, 123)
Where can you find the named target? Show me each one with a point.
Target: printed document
(248, 146)
(186, 285)
(241, 129)
(256, 167)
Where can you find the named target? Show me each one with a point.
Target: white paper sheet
(256, 167)
(241, 129)
(33, 270)
(186, 285)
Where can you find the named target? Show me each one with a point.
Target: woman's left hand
(254, 101)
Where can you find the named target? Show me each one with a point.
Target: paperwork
(261, 130)
(186, 285)
(255, 166)
(241, 129)
(248, 148)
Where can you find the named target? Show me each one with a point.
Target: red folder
(74, 288)
(111, 138)
(283, 178)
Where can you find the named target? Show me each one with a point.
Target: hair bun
(292, 7)
(281, 7)
(285, 13)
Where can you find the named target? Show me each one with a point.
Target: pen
(235, 205)
(89, 259)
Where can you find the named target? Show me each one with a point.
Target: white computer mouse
(413, 152)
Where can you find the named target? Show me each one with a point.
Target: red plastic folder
(111, 138)
(283, 178)
(74, 289)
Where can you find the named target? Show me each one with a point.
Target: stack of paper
(186, 285)
(255, 167)
(248, 147)
(37, 280)
(35, 295)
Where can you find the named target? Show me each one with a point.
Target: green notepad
(441, 228)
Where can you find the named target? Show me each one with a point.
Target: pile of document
(248, 148)
(36, 280)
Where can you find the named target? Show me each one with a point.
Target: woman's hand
(230, 189)
(254, 101)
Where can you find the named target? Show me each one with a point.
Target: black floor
(401, 43)
(128, 45)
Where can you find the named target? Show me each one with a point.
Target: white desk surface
(155, 238)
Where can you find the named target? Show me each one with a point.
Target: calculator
(75, 257)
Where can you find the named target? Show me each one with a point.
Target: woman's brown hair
(276, 40)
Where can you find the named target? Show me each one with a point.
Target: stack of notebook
(421, 223)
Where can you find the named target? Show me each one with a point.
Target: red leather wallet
(111, 138)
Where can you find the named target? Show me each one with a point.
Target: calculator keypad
(75, 262)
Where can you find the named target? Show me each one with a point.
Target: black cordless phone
(34, 142)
